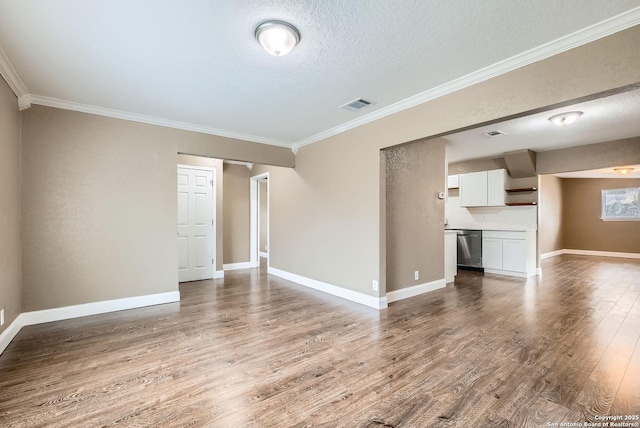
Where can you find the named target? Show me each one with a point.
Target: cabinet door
(453, 181)
(473, 189)
(492, 253)
(513, 258)
(496, 180)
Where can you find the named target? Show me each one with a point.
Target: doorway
(259, 218)
(196, 223)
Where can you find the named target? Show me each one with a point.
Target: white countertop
(490, 226)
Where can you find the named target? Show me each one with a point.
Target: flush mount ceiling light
(623, 171)
(564, 119)
(277, 37)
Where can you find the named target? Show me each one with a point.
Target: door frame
(213, 243)
(254, 208)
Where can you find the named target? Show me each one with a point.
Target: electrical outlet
(374, 285)
(2, 317)
(416, 275)
(266, 248)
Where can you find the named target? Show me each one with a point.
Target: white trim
(249, 165)
(263, 254)
(539, 271)
(24, 102)
(551, 254)
(10, 332)
(95, 308)
(134, 117)
(602, 253)
(254, 215)
(591, 253)
(218, 274)
(345, 293)
(507, 273)
(581, 37)
(13, 80)
(83, 310)
(242, 265)
(415, 290)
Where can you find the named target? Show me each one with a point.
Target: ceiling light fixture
(564, 119)
(277, 37)
(623, 171)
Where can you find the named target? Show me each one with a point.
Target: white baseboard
(266, 255)
(507, 273)
(218, 274)
(551, 254)
(9, 333)
(602, 253)
(590, 253)
(539, 271)
(243, 265)
(83, 310)
(415, 290)
(345, 293)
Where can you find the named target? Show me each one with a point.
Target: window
(621, 204)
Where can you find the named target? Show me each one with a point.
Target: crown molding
(581, 37)
(134, 117)
(10, 75)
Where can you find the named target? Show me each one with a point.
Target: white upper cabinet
(482, 189)
(453, 181)
(473, 189)
(496, 180)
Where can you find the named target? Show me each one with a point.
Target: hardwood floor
(258, 351)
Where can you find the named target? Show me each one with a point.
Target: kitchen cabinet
(509, 252)
(483, 189)
(473, 189)
(492, 253)
(513, 255)
(496, 180)
(450, 255)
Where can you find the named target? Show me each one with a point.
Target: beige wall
(550, 214)
(99, 204)
(236, 213)
(414, 215)
(10, 244)
(476, 165)
(327, 214)
(217, 165)
(99, 210)
(264, 227)
(582, 227)
(591, 156)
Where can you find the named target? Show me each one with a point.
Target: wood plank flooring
(257, 351)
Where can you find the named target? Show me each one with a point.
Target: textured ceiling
(603, 119)
(198, 63)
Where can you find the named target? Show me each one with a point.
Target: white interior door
(196, 224)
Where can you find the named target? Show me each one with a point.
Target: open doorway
(259, 221)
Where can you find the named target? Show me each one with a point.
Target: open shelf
(519, 204)
(521, 190)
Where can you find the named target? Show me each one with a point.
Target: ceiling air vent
(357, 104)
(494, 133)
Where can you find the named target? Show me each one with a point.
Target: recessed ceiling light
(564, 119)
(277, 37)
(623, 171)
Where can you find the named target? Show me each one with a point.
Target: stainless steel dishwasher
(470, 249)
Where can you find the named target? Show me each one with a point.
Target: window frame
(603, 215)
